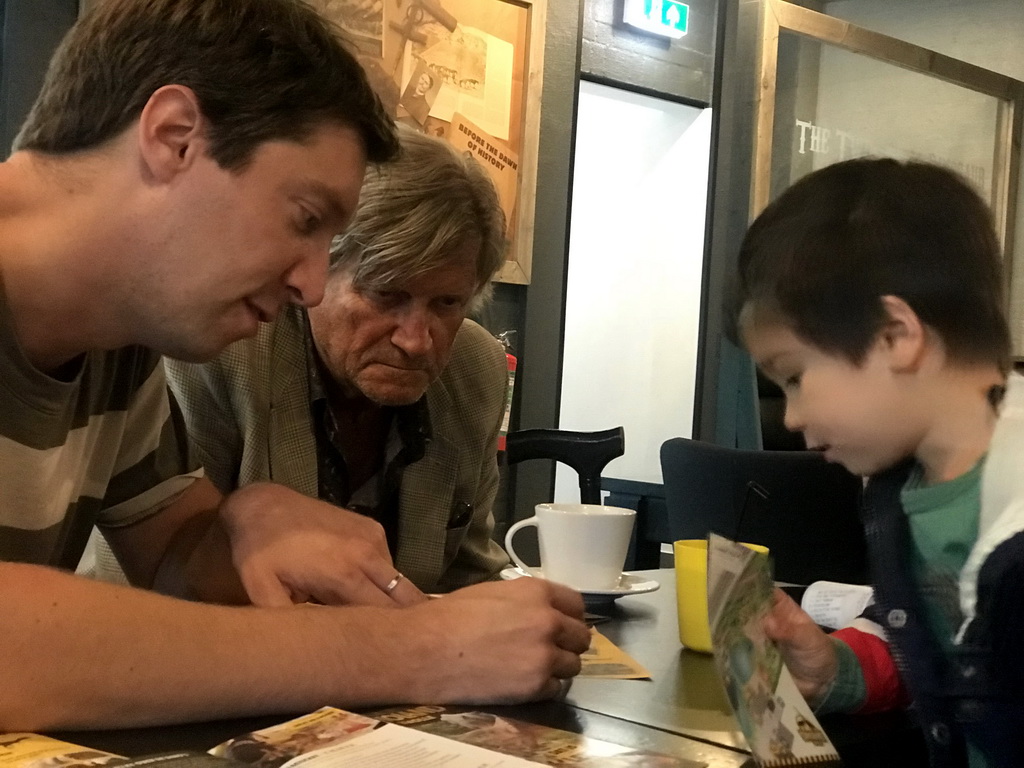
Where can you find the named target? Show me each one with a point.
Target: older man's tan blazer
(248, 416)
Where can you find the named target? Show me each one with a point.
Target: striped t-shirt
(105, 447)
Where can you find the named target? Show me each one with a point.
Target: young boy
(871, 292)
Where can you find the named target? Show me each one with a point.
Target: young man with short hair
(179, 181)
(383, 399)
(871, 292)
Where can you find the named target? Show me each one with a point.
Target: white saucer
(629, 584)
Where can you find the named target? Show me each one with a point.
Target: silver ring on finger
(394, 583)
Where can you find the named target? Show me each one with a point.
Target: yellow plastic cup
(691, 566)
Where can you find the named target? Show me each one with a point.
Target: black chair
(802, 508)
(648, 499)
(586, 452)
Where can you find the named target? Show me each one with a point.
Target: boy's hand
(806, 649)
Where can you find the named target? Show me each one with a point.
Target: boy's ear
(903, 336)
(171, 129)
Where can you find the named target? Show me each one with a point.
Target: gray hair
(415, 211)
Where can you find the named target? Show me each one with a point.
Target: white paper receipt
(834, 605)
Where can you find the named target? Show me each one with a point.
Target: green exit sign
(660, 17)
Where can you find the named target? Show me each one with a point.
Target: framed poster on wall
(466, 71)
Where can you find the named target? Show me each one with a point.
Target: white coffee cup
(581, 545)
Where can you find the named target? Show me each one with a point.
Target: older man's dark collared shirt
(408, 434)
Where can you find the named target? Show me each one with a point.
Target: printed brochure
(779, 725)
(396, 737)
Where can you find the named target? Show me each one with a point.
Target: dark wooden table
(599, 709)
(683, 696)
(681, 710)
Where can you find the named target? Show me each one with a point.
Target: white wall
(633, 286)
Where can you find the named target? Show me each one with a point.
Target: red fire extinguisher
(505, 337)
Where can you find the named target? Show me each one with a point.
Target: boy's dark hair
(822, 256)
(261, 70)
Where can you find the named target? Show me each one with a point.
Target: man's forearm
(78, 654)
(81, 654)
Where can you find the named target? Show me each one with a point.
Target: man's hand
(499, 642)
(64, 667)
(806, 649)
(288, 548)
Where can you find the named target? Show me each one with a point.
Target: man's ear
(904, 336)
(171, 130)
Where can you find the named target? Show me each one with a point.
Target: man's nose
(412, 331)
(306, 280)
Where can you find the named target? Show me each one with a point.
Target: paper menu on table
(429, 735)
(392, 745)
(834, 605)
(426, 736)
(33, 750)
(780, 727)
(330, 738)
(604, 659)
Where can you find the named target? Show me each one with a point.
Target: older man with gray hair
(384, 399)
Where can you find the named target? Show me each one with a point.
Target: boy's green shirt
(943, 526)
